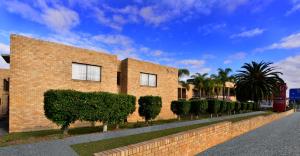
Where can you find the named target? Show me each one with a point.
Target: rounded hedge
(181, 107)
(213, 106)
(149, 107)
(198, 107)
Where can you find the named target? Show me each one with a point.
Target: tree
(224, 76)
(257, 81)
(150, 107)
(182, 73)
(209, 85)
(198, 81)
(217, 84)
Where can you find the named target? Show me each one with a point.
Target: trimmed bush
(237, 107)
(213, 106)
(250, 106)
(149, 107)
(230, 107)
(62, 107)
(198, 107)
(244, 106)
(66, 106)
(256, 106)
(180, 108)
(223, 106)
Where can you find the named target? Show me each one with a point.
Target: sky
(200, 35)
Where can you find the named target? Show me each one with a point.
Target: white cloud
(235, 56)
(210, 28)
(248, 33)
(4, 48)
(194, 65)
(290, 68)
(295, 8)
(290, 42)
(58, 18)
(153, 16)
(192, 62)
(114, 39)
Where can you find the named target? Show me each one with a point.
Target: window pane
(144, 79)
(183, 93)
(152, 80)
(78, 71)
(179, 93)
(93, 73)
(118, 78)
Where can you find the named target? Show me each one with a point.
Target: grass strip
(87, 149)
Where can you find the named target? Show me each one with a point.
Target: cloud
(57, 17)
(154, 16)
(194, 65)
(248, 33)
(295, 8)
(211, 28)
(290, 42)
(235, 56)
(290, 67)
(4, 48)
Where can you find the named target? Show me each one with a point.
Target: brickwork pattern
(37, 66)
(193, 141)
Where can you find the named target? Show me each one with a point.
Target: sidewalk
(62, 147)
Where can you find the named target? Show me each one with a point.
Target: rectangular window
(181, 93)
(148, 79)
(86, 72)
(5, 85)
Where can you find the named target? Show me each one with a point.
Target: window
(148, 80)
(85, 72)
(181, 93)
(5, 85)
(118, 78)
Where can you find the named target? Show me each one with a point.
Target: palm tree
(257, 81)
(209, 85)
(198, 81)
(182, 73)
(217, 84)
(224, 76)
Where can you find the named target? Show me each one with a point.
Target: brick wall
(37, 66)
(193, 141)
(4, 74)
(167, 83)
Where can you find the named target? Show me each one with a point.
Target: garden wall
(193, 141)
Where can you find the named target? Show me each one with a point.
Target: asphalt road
(279, 138)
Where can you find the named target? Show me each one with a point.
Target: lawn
(36, 136)
(87, 149)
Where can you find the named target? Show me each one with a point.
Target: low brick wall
(193, 141)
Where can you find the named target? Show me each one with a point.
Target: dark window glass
(179, 93)
(5, 85)
(183, 96)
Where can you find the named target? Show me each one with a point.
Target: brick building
(37, 66)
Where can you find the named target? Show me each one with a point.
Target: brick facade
(37, 66)
(194, 141)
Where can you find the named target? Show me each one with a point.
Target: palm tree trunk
(223, 91)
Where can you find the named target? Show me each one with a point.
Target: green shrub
(230, 106)
(256, 106)
(237, 107)
(149, 107)
(244, 106)
(180, 108)
(198, 107)
(250, 106)
(62, 107)
(223, 106)
(66, 106)
(213, 106)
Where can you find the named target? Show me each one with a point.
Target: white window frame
(148, 82)
(87, 72)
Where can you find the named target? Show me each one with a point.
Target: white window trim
(148, 82)
(86, 72)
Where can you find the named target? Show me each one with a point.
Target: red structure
(279, 100)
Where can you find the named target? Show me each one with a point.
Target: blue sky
(201, 35)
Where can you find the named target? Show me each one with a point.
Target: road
(279, 138)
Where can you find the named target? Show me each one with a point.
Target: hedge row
(149, 107)
(212, 106)
(64, 107)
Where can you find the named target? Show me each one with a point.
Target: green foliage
(237, 107)
(181, 107)
(150, 107)
(223, 106)
(256, 106)
(244, 106)
(64, 107)
(198, 107)
(250, 106)
(213, 106)
(230, 106)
